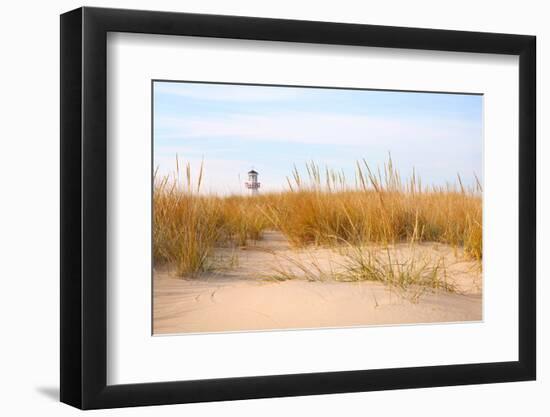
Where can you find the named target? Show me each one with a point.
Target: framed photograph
(259, 208)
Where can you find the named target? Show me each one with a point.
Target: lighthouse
(252, 184)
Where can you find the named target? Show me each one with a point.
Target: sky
(236, 128)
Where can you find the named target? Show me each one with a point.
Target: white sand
(244, 296)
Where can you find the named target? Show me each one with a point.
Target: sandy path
(243, 298)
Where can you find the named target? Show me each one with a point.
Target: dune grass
(379, 208)
(320, 207)
(186, 226)
(410, 274)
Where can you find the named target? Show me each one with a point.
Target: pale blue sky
(237, 127)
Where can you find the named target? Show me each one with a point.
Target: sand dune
(244, 294)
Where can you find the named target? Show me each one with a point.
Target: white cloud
(317, 128)
(226, 93)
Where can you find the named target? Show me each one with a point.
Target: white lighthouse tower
(252, 184)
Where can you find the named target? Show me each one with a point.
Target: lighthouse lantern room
(252, 184)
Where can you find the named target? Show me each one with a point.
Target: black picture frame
(84, 207)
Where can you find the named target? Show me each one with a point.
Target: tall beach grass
(319, 207)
